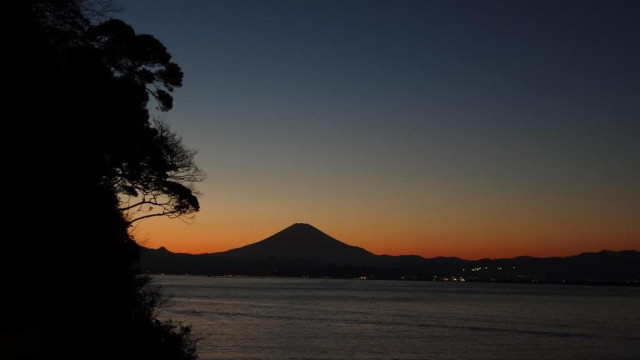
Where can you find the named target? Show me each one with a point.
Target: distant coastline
(301, 250)
(521, 280)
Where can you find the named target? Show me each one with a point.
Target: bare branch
(130, 222)
(126, 208)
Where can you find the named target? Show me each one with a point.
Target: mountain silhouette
(303, 250)
(302, 241)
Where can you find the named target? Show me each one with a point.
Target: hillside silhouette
(81, 85)
(303, 250)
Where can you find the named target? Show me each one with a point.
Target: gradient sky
(439, 128)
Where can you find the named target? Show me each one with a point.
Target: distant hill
(303, 250)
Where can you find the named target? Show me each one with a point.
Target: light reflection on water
(286, 318)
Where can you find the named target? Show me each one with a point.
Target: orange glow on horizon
(203, 237)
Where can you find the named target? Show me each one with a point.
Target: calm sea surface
(279, 318)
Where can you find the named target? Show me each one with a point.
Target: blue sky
(425, 124)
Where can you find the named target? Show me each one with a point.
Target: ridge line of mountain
(303, 250)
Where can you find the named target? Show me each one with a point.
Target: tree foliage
(155, 173)
(140, 58)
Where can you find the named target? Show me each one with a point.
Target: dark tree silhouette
(140, 58)
(79, 93)
(154, 172)
(146, 192)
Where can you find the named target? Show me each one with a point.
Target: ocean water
(282, 318)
